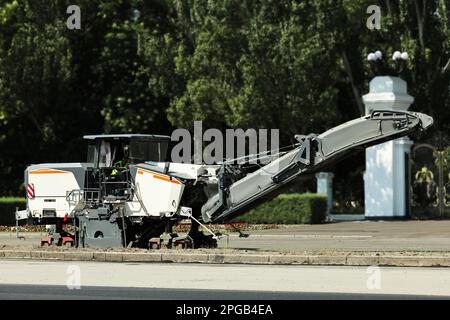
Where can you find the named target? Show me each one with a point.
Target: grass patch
(9, 200)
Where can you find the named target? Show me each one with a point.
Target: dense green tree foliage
(150, 65)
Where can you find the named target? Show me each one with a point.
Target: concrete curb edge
(344, 259)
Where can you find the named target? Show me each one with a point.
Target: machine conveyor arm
(315, 153)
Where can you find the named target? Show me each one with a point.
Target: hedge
(289, 209)
(8, 209)
(285, 209)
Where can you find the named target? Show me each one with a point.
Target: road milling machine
(128, 194)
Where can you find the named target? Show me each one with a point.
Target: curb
(344, 259)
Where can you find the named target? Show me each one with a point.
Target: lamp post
(385, 179)
(325, 187)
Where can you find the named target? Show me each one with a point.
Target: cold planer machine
(128, 195)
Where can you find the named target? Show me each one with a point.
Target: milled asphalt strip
(305, 236)
(337, 259)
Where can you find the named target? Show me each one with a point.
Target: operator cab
(105, 151)
(109, 157)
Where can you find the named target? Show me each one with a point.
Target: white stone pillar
(325, 187)
(386, 169)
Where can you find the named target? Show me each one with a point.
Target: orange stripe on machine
(47, 171)
(160, 176)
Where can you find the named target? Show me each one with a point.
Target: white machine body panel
(160, 194)
(47, 188)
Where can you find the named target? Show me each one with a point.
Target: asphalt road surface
(352, 236)
(52, 280)
(30, 292)
(355, 236)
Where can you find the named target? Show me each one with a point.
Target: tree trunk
(355, 90)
